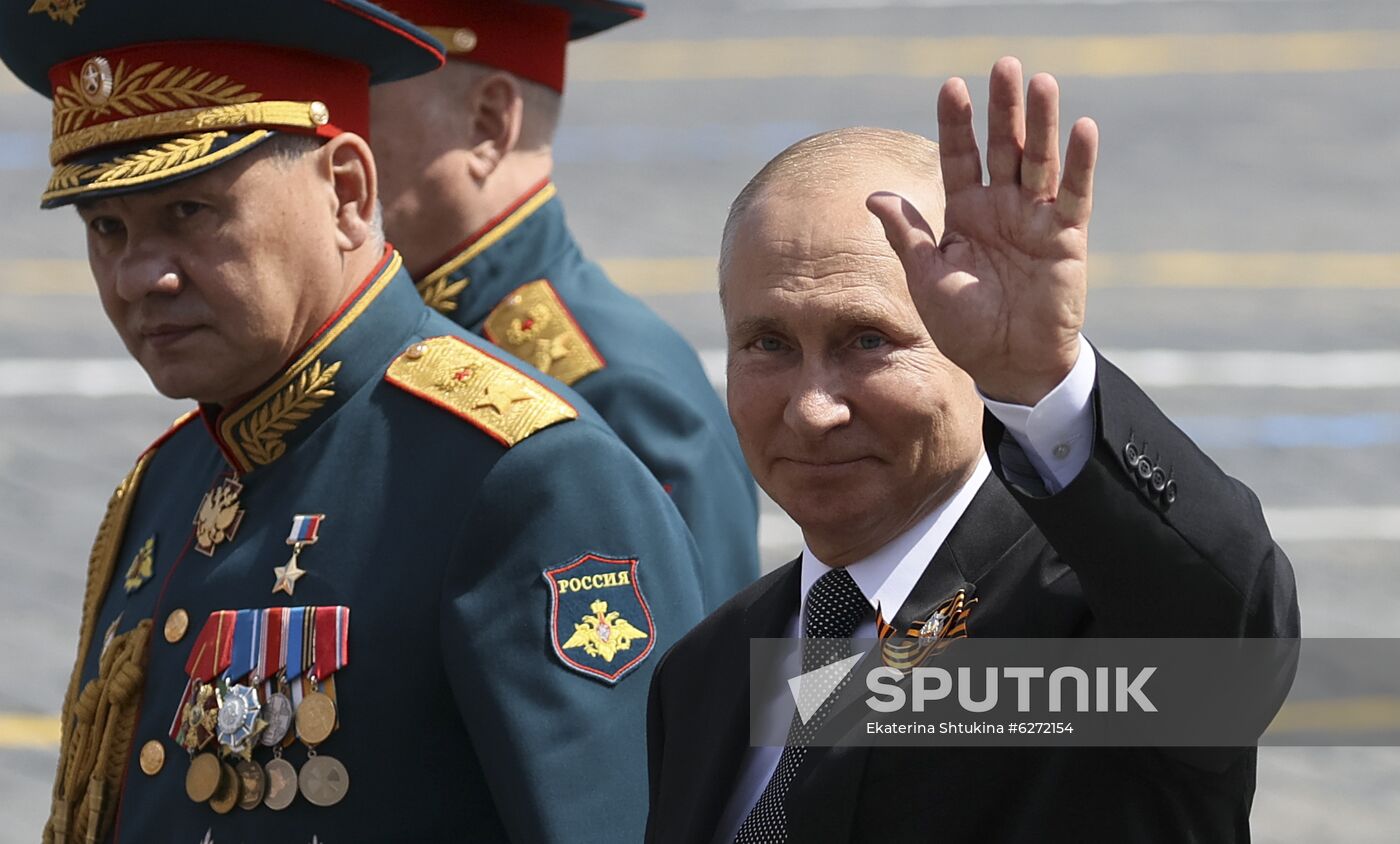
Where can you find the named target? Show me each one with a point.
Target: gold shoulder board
(533, 324)
(484, 390)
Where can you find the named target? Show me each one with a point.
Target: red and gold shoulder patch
(488, 392)
(533, 324)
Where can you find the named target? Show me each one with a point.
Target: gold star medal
(304, 532)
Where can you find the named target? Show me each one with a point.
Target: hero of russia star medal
(600, 624)
(218, 517)
(305, 528)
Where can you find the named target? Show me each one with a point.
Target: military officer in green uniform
(466, 160)
(385, 582)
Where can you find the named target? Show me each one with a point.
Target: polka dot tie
(835, 607)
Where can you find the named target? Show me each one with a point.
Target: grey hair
(822, 164)
(287, 148)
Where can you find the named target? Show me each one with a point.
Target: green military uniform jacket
(523, 283)
(492, 541)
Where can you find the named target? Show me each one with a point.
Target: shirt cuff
(1057, 434)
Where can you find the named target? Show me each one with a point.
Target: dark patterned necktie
(835, 607)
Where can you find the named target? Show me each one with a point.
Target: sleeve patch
(599, 622)
(533, 324)
(489, 393)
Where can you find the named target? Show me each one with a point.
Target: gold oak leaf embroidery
(156, 160)
(603, 633)
(441, 295)
(261, 435)
(149, 88)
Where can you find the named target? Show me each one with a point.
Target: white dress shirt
(1056, 436)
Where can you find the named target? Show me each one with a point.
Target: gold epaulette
(486, 391)
(533, 324)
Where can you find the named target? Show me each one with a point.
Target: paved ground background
(1248, 199)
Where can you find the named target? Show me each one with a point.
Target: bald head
(836, 171)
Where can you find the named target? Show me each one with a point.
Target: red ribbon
(213, 648)
(332, 640)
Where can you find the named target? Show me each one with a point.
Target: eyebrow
(757, 325)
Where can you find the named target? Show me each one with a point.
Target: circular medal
(202, 779)
(152, 757)
(315, 718)
(281, 787)
(226, 797)
(252, 782)
(278, 714)
(324, 781)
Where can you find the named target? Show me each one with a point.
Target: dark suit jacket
(1109, 555)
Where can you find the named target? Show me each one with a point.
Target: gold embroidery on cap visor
(164, 160)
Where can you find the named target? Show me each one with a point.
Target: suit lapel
(718, 752)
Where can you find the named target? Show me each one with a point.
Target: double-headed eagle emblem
(603, 633)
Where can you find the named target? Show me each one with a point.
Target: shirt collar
(887, 576)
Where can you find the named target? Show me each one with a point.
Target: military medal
(252, 782)
(239, 707)
(303, 533)
(218, 517)
(226, 797)
(315, 718)
(324, 781)
(281, 784)
(202, 779)
(277, 711)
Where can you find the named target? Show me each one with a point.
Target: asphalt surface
(1247, 202)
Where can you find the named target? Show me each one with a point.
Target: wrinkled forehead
(793, 254)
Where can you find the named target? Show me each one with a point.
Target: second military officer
(466, 154)
(385, 582)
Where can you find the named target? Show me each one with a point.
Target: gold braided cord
(102, 565)
(284, 114)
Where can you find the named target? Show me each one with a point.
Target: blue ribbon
(295, 627)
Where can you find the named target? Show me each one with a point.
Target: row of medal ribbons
(260, 681)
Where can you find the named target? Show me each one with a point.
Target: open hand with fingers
(1002, 293)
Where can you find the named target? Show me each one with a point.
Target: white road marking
(1164, 368)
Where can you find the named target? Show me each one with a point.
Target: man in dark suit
(864, 348)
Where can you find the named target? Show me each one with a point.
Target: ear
(350, 165)
(496, 110)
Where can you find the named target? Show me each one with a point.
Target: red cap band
(151, 80)
(527, 39)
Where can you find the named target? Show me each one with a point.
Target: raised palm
(1002, 292)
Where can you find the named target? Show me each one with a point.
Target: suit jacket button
(1131, 455)
(1169, 494)
(1144, 468)
(1159, 480)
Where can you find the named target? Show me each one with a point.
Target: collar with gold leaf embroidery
(348, 352)
(505, 253)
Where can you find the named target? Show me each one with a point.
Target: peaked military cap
(149, 91)
(526, 37)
